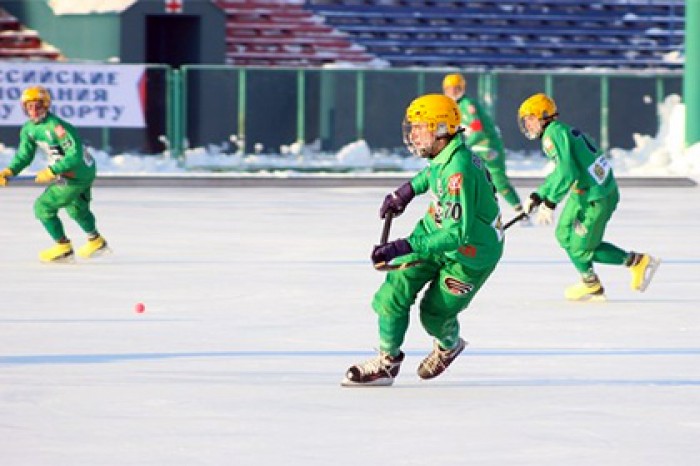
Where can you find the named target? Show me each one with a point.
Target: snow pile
(660, 155)
(663, 154)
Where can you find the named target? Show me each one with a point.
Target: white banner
(109, 96)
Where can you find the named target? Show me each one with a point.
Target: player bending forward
(582, 171)
(459, 241)
(71, 173)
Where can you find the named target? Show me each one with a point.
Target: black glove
(397, 201)
(532, 203)
(387, 252)
(544, 207)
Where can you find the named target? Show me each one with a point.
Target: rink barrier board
(322, 181)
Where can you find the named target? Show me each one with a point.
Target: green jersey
(578, 165)
(60, 141)
(481, 132)
(463, 221)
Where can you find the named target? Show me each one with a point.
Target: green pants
(580, 231)
(74, 198)
(495, 160)
(451, 287)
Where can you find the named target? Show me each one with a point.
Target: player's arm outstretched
(23, 157)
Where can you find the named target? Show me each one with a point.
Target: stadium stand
(513, 34)
(17, 42)
(282, 33)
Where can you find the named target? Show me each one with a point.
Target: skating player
(70, 175)
(582, 172)
(483, 138)
(459, 240)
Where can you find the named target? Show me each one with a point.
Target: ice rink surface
(258, 299)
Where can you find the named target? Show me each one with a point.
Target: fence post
(549, 86)
(301, 105)
(360, 112)
(660, 96)
(241, 106)
(604, 111)
(420, 83)
(691, 77)
(174, 96)
(170, 111)
(327, 109)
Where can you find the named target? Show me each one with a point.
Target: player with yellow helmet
(482, 136)
(459, 241)
(584, 174)
(70, 175)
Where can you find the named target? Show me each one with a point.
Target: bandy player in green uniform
(581, 171)
(459, 241)
(71, 172)
(482, 137)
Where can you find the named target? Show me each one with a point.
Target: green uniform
(73, 165)
(582, 170)
(460, 241)
(484, 139)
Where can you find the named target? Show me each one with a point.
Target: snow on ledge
(73, 7)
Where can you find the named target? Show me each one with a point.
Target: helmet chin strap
(544, 122)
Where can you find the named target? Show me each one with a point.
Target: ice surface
(257, 300)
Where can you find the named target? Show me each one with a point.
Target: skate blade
(67, 259)
(375, 383)
(105, 251)
(649, 273)
(590, 298)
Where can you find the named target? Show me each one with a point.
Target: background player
(482, 137)
(582, 171)
(71, 172)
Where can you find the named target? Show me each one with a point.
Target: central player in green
(459, 242)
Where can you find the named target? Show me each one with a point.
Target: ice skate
(439, 360)
(94, 247)
(643, 271)
(588, 289)
(59, 252)
(378, 371)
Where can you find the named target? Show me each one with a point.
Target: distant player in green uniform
(459, 241)
(581, 171)
(70, 175)
(482, 137)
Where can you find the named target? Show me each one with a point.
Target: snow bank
(660, 155)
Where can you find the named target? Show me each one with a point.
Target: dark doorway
(173, 40)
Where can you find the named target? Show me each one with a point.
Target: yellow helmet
(540, 106)
(439, 112)
(454, 80)
(436, 113)
(36, 93)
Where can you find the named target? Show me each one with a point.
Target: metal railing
(212, 104)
